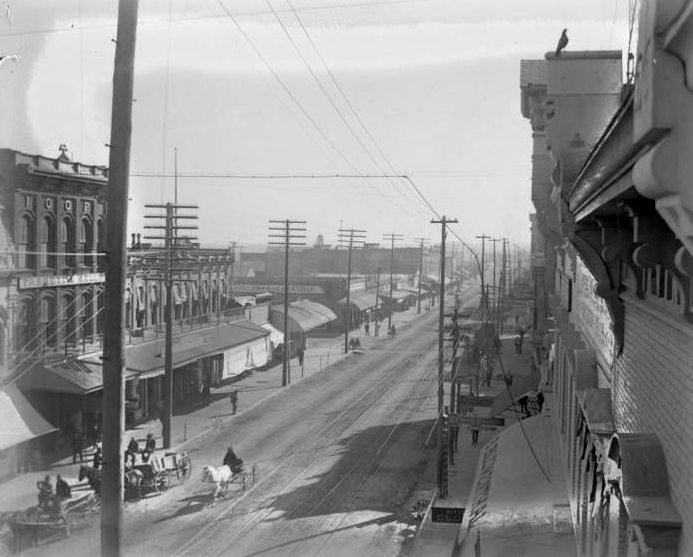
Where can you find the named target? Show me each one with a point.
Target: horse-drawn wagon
(224, 476)
(56, 517)
(156, 473)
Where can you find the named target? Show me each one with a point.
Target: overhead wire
(293, 97)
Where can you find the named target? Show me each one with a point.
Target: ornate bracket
(601, 246)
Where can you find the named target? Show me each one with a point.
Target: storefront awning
(143, 361)
(276, 336)
(244, 300)
(364, 300)
(19, 421)
(307, 315)
(149, 357)
(76, 377)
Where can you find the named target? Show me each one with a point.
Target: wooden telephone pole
(346, 238)
(116, 277)
(392, 237)
(172, 245)
(288, 234)
(421, 246)
(442, 489)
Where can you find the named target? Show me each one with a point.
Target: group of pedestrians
(531, 404)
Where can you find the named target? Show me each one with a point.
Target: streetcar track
(363, 402)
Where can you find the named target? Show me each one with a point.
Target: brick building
(612, 267)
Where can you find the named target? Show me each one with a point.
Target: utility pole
(484, 297)
(377, 297)
(392, 237)
(421, 246)
(503, 286)
(494, 290)
(288, 234)
(349, 236)
(116, 277)
(171, 247)
(441, 322)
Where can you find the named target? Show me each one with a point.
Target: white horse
(220, 477)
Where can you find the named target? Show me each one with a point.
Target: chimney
(139, 240)
(132, 245)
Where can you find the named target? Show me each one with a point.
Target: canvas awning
(276, 336)
(71, 376)
(19, 421)
(363, 300)
(305, 314)
(143, 361)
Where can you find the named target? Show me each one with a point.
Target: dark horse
(133, 484)
(92, 475)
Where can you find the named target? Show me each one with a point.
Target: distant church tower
(319, 241)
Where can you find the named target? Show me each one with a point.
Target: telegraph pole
(494, 289)
(483, 238)
(441, 321)
(288, 234)
(116, 277)
(349, 236)
(171, 247)
(377, 297)
(421, 246)
(392, 237)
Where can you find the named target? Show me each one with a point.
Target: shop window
(87, 315)
(25, 243)
(68, 325)
(48, 321)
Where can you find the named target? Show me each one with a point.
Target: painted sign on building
(594, 315)
(279, 288)
(48, 281)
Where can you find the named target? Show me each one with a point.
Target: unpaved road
(339, 453)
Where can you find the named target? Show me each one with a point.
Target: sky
(423, 88)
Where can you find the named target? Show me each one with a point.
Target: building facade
(611, 264)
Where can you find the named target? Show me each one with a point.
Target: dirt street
(339, 455)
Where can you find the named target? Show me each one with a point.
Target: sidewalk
(20, 491)
(439, 539)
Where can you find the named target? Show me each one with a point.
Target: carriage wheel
(185, 469)
(255, 472)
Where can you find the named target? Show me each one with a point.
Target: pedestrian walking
(77, 446)
(518, 344)
(454, 432)
(474, 427)
(509, 379)
(233, 399)
(301, 353)
(540, 400)
(522, 401)
(367, 328)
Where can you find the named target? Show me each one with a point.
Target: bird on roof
(562, 42)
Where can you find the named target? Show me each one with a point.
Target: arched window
(100, 261)
(67, 242)
(25, 243)
(86, 242)
(47, 243)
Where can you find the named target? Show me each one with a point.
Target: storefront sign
(447, 514)
(278, 288)
(469, 400)
(593, 314)
(48, 281)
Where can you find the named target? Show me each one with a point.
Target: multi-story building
(51, 301)
(612, 267)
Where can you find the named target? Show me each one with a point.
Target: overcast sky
(434, 82)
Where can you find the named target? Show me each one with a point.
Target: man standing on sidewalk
(474, 426)
(233, 398)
